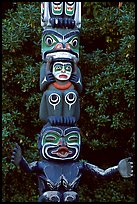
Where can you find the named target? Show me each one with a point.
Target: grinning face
(60, 40)
(60, 144)
(62, 70)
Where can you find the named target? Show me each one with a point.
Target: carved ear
(39, 141)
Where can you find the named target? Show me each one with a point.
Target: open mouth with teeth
(62, 152)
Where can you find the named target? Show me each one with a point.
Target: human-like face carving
(60, 144)
(66, 40)
(69, 8)
(58, 9)
(62, 70)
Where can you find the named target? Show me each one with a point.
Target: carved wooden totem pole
(59, 141)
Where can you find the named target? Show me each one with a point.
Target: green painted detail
(57, 9)
(69, 9)
(48, 42)
(50, 137)
(73, 138)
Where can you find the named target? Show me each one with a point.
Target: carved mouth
(62, 152)
(62, 76)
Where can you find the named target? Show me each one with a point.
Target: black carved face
(60, 143)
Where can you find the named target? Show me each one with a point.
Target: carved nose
(58, 46)
(62, 142)
(63, 70)
(67, 46)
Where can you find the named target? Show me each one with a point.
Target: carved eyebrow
(53, 32)
(56, 130)
(52, 133)
(71, 130)
(71, 34)
(60, 35)
(57, 63)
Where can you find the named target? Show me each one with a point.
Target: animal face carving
(60, 40)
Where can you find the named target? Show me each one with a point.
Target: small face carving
(59, 9)
(62, 70)
(60, 144)
(70, 8)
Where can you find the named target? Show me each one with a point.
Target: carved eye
(49, 40)
(57, 66)
(74, 42)
(73, 138)
(50, 138)
(68, 68)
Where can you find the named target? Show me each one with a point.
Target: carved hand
(16, 155)
(50, 77)
(74, 78)
(125, 167)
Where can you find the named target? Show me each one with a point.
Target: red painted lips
(62, 76)
(62, 152)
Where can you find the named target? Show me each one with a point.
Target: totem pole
(59, 141)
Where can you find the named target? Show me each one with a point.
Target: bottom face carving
(60, 143)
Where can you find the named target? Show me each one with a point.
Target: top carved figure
(60, 77)
(61, 14)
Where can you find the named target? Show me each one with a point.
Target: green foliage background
(107, 122)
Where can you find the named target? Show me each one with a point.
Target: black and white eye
(74, 42)
(49, 40)
(68, 67)
(54, 99)
(70, 98)
(57, 66)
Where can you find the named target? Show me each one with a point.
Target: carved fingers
(16, 155)
(129, 166)
(125, 167)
